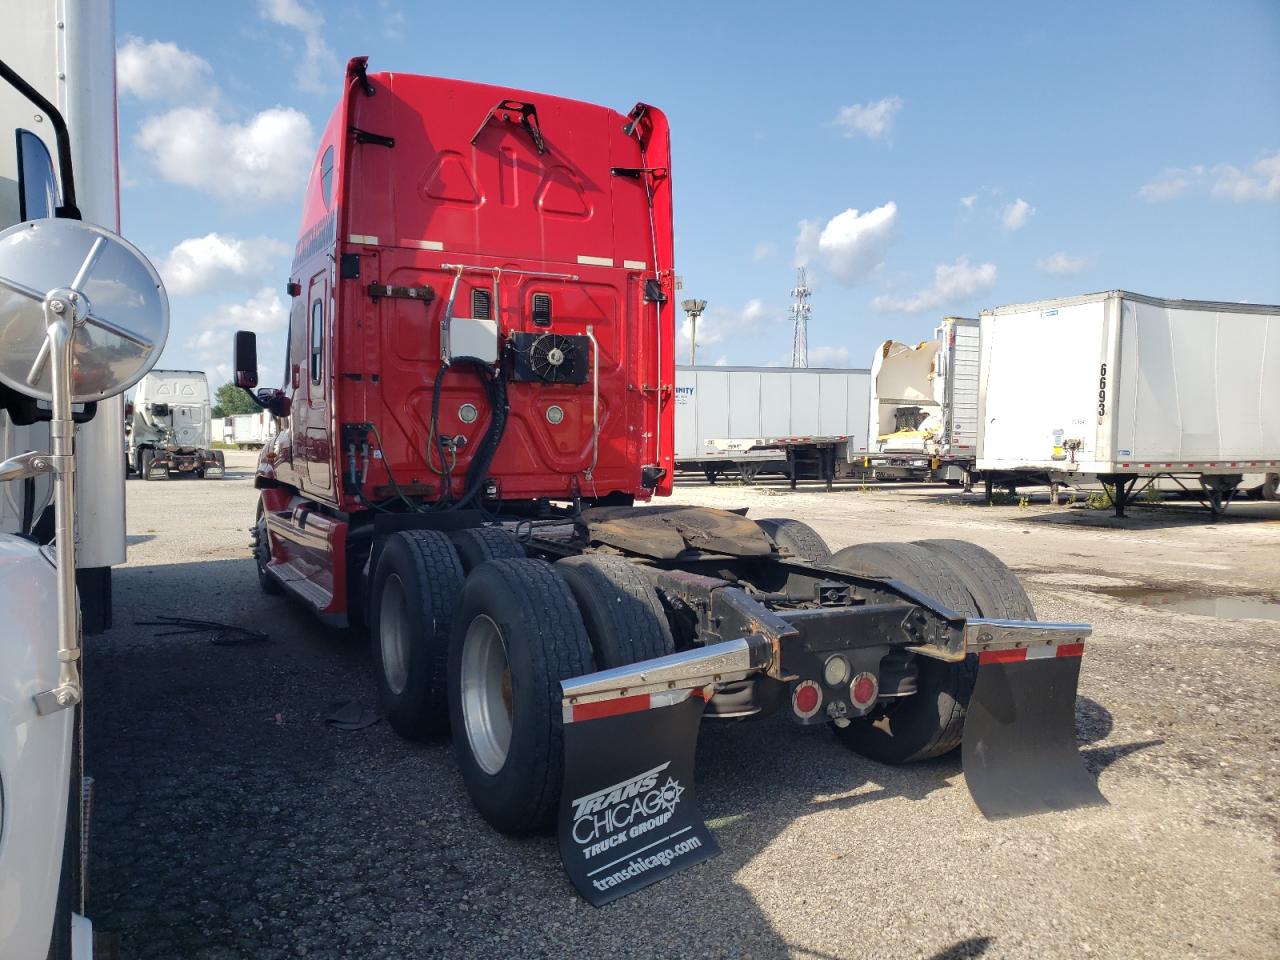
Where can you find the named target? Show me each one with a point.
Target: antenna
(800, 311)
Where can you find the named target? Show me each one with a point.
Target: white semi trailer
(1122, 388)
(65, 49)
(82, 317)
(251, 431)
(169, 427)
(751, 420)
(924, 406)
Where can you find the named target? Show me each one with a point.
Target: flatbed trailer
(478, 403)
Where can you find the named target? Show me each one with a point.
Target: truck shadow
(229, 815)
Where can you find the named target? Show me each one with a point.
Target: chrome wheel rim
(486, 694)
(393, 634)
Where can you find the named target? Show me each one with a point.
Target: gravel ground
(230, 821)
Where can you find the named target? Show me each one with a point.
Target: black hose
(496, 392)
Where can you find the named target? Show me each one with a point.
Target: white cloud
(1016, 215)
(869, 119)
(1260, 182)
(764, 250)
(199, 263)
(953, 283)
(1061, 262)
(828, 356)
(317, 68)
(266, 158)
(264, 312)
(162, 71)
(851, 245)
(1170, 183)
(722, 360)
(969, 201)
(720, 324)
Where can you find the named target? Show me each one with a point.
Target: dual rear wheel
(469, 635)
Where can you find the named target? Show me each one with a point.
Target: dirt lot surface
(231, 821)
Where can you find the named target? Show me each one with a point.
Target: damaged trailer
(924, 407)
(478, 402)
(1136, 388)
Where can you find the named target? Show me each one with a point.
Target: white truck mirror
(83, 317)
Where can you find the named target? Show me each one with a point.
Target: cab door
(317, 376)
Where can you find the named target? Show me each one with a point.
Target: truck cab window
(317, 340)
(37, 182)
(326, 177)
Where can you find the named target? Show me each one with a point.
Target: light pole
(694, 309)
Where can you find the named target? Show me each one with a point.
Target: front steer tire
(414, 593)
(930, 722)
(262, 553)
(508, 732)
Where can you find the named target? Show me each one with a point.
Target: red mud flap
(628, 814)
(1019, 748)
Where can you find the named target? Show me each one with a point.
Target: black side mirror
(246, 359)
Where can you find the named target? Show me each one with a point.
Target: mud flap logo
(628, 816)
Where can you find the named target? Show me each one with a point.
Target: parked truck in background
(169, 427)
(924, 406)
(251, 431)
(479, 390)
(66, 52)
(1135, 388)
(754, 420)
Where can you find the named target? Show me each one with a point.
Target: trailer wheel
(262, 553)
(801, 539)
(994, 587)
(415, 591)
(516, 635)
(930, 722)
(476, 545)
(624, 618)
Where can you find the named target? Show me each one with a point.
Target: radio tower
(800, 310)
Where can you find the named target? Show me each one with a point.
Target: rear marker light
(806, 699)
(864, 690)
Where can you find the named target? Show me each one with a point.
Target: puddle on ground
(1224, 608)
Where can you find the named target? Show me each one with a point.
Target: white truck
(251, 431)
(66, 52)
(169, 427)
(794, 421)
(1122, 388)
(82, 317)
(924, 406)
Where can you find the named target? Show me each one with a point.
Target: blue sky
(920, 159)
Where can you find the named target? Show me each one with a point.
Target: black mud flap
(1019, 749)
(628, 813)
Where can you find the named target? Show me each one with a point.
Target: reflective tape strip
(634, 264)
(362, 238)
(423, 244)
(595, 261)
(1019, 654)
(574, 712)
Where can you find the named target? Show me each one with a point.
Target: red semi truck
(478, 393)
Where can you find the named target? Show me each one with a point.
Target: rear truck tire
(994, 587)
(412, 601)
(516, 634)
(262, 553)
(624, 617)
(802, 540)
(477, 545)
(145, 456)
(220, 459)
(930, 722)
